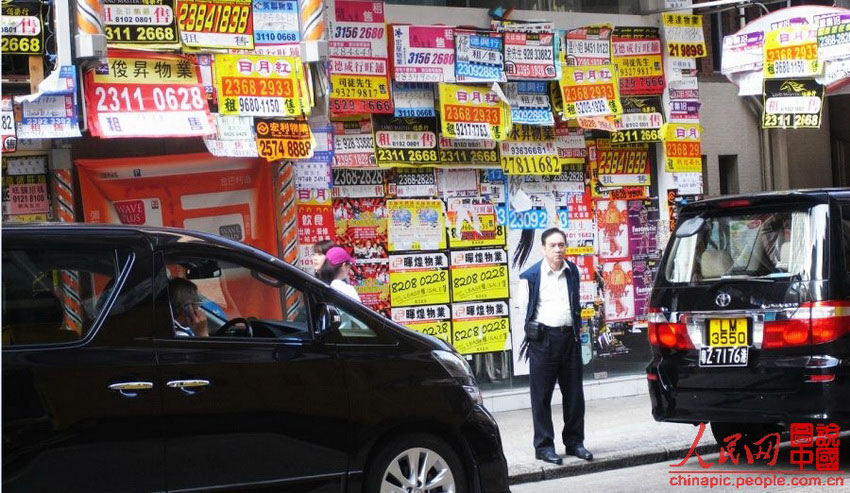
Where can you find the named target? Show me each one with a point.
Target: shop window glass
(56, 296)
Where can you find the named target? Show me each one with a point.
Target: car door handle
(189, 386)
(128, 389)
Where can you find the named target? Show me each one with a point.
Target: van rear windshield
(778, 244)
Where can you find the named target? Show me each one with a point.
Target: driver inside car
(189, 318)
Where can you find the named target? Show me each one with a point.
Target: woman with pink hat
(335, 271)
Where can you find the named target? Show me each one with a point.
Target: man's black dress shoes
(579, 451)
(549, 456)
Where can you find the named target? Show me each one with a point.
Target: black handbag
(533, 331)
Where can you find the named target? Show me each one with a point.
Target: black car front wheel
(751, 433)
(416, 463)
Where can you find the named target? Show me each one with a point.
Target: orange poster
(231, 197)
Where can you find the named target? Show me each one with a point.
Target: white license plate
(723, 356)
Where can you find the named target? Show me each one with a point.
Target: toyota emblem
(723, 299)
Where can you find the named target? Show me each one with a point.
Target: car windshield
(746, 245)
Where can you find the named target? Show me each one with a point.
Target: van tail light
(662, 333)
(813, 323)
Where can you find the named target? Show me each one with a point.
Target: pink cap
(338, 255)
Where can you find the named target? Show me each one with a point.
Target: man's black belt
(560, 328)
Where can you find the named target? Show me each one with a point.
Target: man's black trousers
(556, 358)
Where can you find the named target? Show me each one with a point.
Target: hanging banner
(581, 235)
(640, 122)
(423, 53)
(742, 52)
(529, 55)
(225, 196)
(234, 137)
(216, 24)
(413, 100)
(51, 114)
(530, 103)
(480, 327)
(682, 147)
(834, 37)
(623, 166)
(144, 24)
(473, 112)
(478, 56)
(419, 279)
(683, 35)
(146, 95)
(25, 192)
(257, 85)
(357, 30)
(643, 228)
(283, 139)
(612, 220)
(590, 45)
(276, 27)
(359, 86)
(7, 133)
(433, 320)
(643, 277)
(361, 228)
(530, 150)
(412, 182)
(416, 224)
(619, 291)
(357, 45)
(358, 183)
(791, 52)
(315, 223)
(472, 223)
(569, 142)
(371, 280)
(405, 141)
(479, 275)
(470, 152)
(683, 111)
(636, 52)
(590, 90)
(354, 146)
(792, 103)
(23, 28)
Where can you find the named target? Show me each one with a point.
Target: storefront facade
(435, 154)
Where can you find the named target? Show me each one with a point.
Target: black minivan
(750, 314)
(290, 386)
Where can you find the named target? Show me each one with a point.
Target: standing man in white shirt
(550, 290)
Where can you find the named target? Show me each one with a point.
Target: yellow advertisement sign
(480, 335)
(791, 52)
(423, 287)
(683, 35)
(433, 320)
(530, 150)
(589, 91)
(473, 112)
(477, 283)
(258, 85)
(441, 329)
(682, 152)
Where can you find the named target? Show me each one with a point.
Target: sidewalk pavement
(620, 432)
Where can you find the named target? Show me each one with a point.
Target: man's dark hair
(549, 232)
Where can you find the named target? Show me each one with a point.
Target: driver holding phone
(189, 318)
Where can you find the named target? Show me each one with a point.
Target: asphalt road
(719, 477)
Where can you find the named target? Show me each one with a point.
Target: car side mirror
(329, 319)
